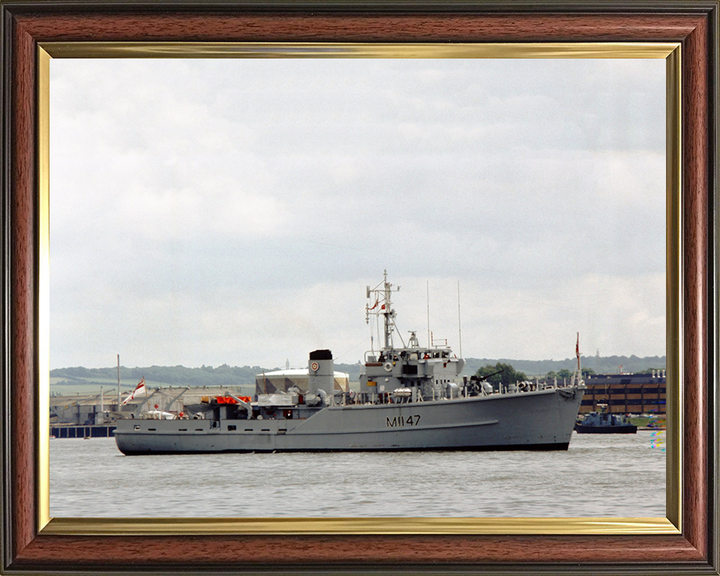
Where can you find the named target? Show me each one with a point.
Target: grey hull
(529, 420)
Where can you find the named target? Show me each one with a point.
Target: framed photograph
(239, 224)
(684, 38)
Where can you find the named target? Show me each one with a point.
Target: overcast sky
(233, 211)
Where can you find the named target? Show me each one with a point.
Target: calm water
(620, 475)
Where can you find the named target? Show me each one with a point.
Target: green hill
(78, 379)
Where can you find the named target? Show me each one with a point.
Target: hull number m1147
(397, 421)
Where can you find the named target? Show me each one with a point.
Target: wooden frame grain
(26, 23)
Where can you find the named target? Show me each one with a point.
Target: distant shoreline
(80, 378)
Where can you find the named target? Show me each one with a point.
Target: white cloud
(227, 211)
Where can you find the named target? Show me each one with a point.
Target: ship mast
(389, 313)
(578, 371)
(383, 307)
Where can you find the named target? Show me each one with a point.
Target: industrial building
(98, 409)
(102, 409)
(626, 393)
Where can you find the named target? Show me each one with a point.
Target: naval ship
(411, 398)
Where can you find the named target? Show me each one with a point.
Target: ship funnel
(321, 372)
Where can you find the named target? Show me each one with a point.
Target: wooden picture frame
(29, 546)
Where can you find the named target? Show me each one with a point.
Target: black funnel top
(321, 355)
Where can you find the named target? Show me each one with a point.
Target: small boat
(603, 422)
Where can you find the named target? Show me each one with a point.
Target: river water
(599, 475)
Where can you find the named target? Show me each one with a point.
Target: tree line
(225, 375)
(504, 373)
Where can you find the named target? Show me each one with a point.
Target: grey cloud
(191, 188)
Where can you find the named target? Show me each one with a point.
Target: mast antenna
(118, 371)
(427, 291)
(459, 323)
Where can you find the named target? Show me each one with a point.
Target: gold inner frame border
(671, 524)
